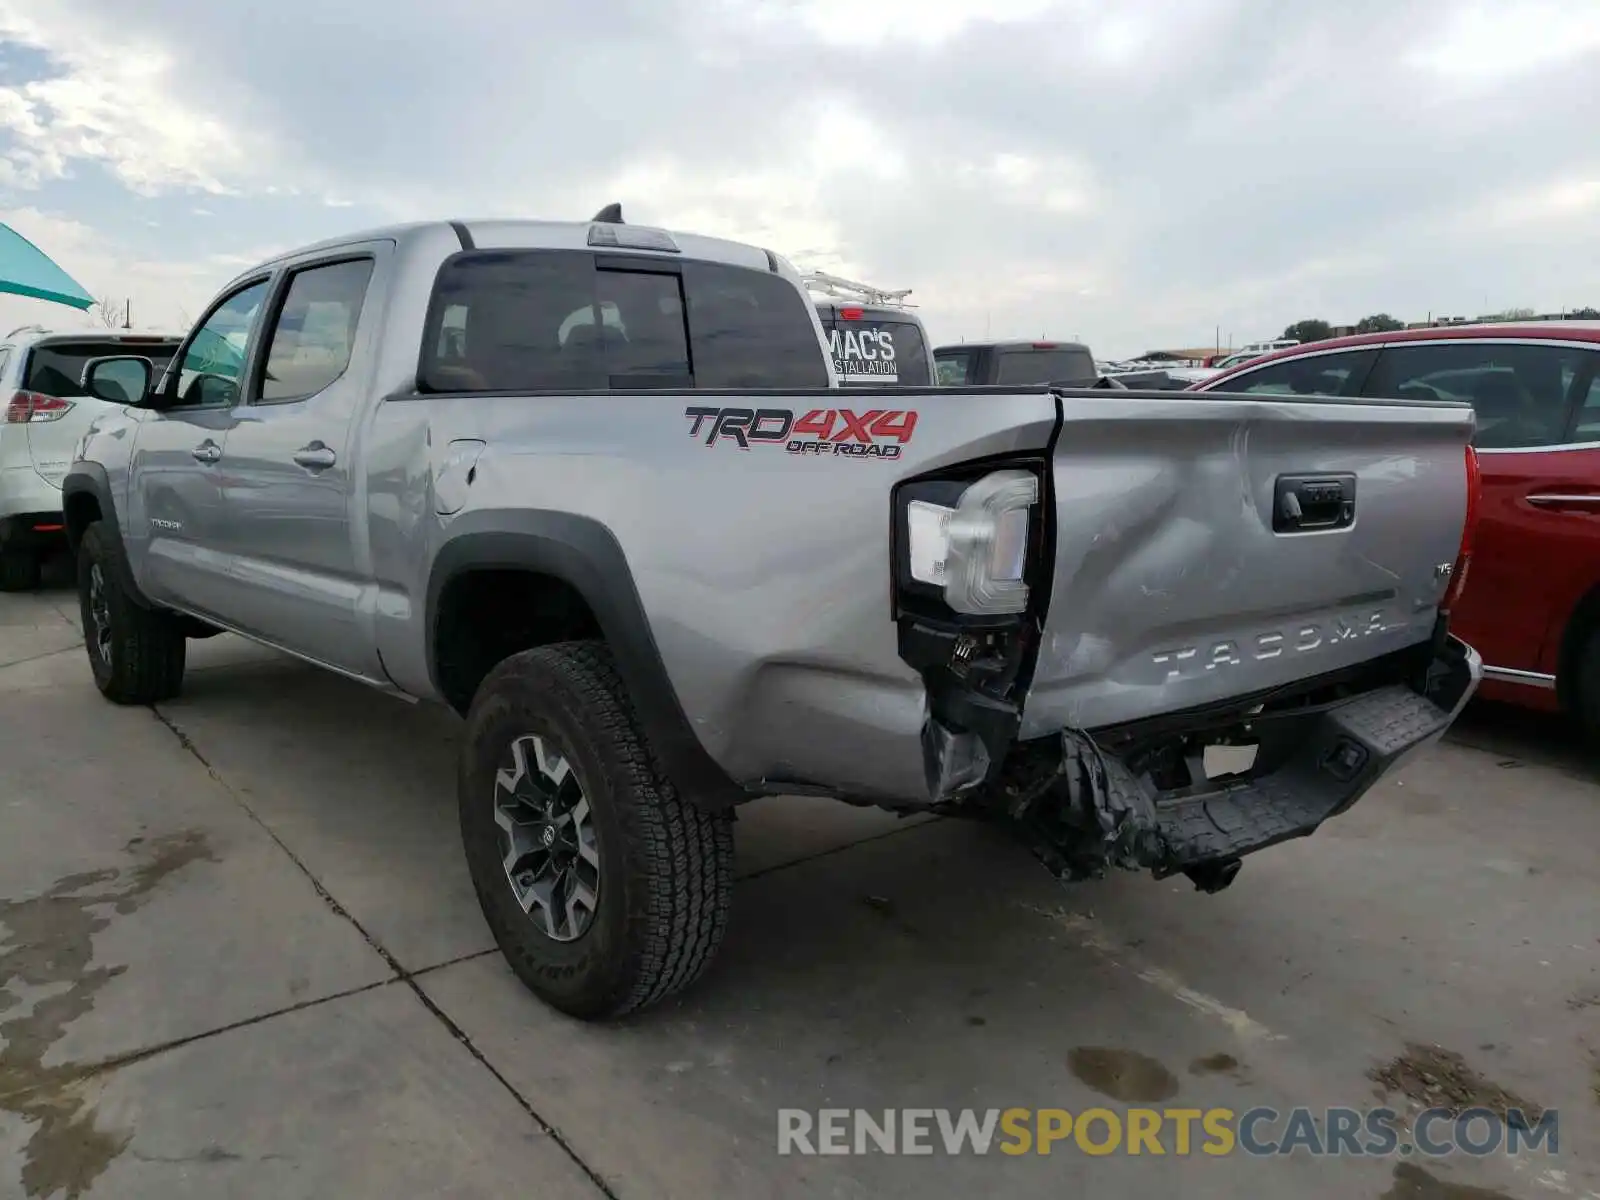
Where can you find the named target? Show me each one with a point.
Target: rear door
(1536, 536)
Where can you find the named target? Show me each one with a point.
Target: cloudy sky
(1132, 172)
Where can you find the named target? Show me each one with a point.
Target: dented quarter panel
(1171, 589)
(765, 575)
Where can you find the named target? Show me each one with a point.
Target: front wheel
(605, 889)
(136, 654)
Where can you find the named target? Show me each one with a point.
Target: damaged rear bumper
(1097, 811)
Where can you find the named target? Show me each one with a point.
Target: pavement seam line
(810, 858)
(401, 975)
(82, 1071)
(47, 654)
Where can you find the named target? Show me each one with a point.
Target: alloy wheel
(547, 838)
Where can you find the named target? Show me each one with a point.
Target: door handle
(1565, 500)
(315, 457)
(207, 451)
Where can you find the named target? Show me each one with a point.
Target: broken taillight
(28, 407)
(1469, 528)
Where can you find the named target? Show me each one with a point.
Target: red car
(1531, 602)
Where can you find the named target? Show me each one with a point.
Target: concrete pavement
(239, 956)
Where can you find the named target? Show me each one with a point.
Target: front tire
(19, 571)
(606, 890)
(136, 654)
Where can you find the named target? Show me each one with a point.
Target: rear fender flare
(585, 555)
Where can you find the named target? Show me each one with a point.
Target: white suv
(44, 410)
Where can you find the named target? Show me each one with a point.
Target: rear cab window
(566, 320)
(1044, 364)
(875, 347)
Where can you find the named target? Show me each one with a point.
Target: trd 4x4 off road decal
(876, 433)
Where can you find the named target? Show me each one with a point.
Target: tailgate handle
(1307, 503)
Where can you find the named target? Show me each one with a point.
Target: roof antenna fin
(611, 214)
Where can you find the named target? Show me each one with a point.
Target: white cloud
(1490, 41)
(115, 104)
(1131, 170)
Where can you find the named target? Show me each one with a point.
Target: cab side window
(1586, 425)
(315, 331)
(209, 373)
(954, 368)
(1314, 375)
(1519, 391)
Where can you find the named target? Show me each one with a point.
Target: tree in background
(108, 312)
(1585, 314)
(1309, 331)
(1516, 314)
(1378, 323)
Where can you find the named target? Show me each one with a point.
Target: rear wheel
(605, 889)
(19, 571)
(136, 654)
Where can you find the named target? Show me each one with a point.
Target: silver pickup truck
(595, 487)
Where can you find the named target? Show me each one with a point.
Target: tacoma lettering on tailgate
(1302, 639)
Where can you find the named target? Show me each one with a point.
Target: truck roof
(1015, 344)
(533, 234)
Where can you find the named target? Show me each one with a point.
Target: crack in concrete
(401, 975)
(17, 662)
(50, 944)
(832, 850)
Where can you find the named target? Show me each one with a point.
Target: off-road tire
(665, 866)
(146, 646)
(19, 571)
(1586, 687)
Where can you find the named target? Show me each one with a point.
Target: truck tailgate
(1172, 586)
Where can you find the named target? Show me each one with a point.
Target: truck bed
(763, 569)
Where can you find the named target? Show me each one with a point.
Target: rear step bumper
(1103, 812)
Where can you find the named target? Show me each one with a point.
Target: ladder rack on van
(849, 289)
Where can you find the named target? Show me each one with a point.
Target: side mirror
(119, 379)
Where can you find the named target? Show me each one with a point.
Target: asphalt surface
(239, 956)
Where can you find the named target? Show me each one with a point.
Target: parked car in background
(1531, 604)
(874, 338)
(46, 411)
(1154, 373)
(1224, 362)
(980, 363)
